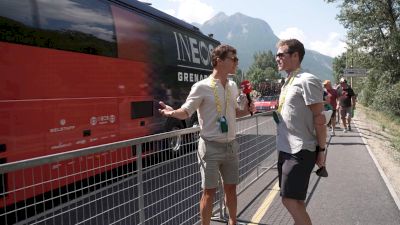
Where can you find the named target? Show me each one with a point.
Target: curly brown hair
(221, 51)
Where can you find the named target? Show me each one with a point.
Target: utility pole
(351, 78)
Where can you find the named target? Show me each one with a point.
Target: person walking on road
(332, 99)
(301, 129)
(347, 103)
(214, 99)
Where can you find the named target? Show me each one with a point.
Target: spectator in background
(331, 98)
(347, 103)
(327, 105)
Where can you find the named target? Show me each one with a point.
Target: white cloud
(293, 32)
(171, 12)
(332, 46)
(193, 11)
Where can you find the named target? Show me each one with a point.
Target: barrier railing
(138, 181)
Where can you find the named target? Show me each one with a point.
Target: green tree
(339, 64)
(263, 69)
(238, 77)
(374, 43)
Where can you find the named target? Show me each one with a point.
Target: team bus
(80, 73)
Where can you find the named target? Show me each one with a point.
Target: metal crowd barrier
(140, 181)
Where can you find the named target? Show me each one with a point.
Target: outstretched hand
(165, 110)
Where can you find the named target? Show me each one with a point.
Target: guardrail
(138, 181)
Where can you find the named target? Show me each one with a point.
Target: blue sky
(311, 21)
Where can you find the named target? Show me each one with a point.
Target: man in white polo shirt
(214, 99)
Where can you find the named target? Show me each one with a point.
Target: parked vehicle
(266, 103)
(80, 73)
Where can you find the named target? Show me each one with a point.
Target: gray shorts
(218, 159)
(294, 173)
(345, 112)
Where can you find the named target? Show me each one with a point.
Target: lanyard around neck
(216, 96)
(285, 88)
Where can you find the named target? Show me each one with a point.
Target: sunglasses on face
(234, 58)
(282, 54)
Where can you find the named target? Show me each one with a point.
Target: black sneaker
(349, 128)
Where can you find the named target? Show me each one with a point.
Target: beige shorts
(217, 159)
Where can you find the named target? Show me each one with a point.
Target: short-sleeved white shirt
(201, 98)
(296, 129)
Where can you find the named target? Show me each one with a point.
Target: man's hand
(165, 110)
(321, 157)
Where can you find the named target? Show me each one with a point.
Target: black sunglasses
(234, 58)
(282, 54)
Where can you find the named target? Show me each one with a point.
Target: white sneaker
(344, 130)
(333, 132)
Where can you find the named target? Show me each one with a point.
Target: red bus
(79, 73)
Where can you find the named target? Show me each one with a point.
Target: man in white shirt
(214, 99)
(301, 129)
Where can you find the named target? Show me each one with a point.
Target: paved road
(354, 192)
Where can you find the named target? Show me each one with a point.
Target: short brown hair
(294, 45)
(221, 51)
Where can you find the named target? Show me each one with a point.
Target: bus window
(18, 12)
(138, 36)
(141, 109)
(80, 26)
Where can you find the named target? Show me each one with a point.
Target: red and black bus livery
(79, 73)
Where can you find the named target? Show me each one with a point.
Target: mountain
(251, 35)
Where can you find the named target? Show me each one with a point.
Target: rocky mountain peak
(252, 35)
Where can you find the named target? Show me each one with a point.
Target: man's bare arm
(319, 123)
(320, 130)
(353, 101)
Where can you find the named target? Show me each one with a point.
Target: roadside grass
(388, 123)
